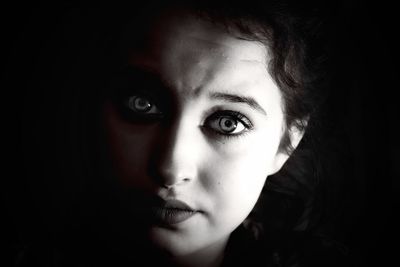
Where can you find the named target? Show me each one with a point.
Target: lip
(172, 211)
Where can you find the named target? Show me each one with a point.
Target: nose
(175, 162)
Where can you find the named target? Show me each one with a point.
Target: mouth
(172, 212)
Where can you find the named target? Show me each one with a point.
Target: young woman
(194, 154)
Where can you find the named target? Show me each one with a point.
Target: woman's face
(200, 121)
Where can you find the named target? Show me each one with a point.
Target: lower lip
(170, 216)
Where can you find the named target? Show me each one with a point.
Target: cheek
(124, 142)
(236, 180)
(253, 155)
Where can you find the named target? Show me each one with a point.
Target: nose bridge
(176, 162)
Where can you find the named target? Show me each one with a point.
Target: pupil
(227, 124)
(142, 104)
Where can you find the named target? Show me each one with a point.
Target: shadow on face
(195, 122)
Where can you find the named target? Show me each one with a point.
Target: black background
(366, 123)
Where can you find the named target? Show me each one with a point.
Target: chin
(174, 242)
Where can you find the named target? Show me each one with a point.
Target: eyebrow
(239, 99)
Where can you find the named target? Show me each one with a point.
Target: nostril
(167, 186)
(175, 182)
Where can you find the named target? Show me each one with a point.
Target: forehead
(194, 40)
(193, 56)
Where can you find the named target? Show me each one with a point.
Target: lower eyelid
(229, 136)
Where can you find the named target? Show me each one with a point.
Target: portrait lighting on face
(196, 122)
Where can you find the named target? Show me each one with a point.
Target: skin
(189, 157)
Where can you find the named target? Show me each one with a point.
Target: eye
(228, 123)
(142, 105)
